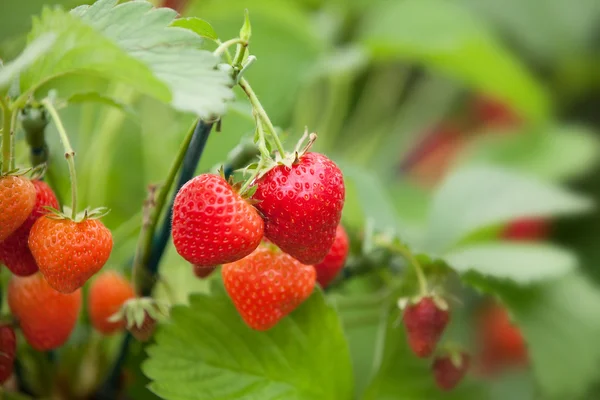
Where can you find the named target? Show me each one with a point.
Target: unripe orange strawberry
(17, 199)
(108, 292)
(14, 250)
(68, 253)
(46, 316)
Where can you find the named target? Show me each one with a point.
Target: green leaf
(520, 262)
(559, 320)
(32, 52)
(559, 152)
(477, 197)
(403, 376)
(198, 26)
(443, 35)
(134, 44)
(102, 99)
(207, 352)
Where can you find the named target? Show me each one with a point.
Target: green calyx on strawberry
(425, 319)
(141, 315)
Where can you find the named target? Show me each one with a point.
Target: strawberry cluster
(274, 245)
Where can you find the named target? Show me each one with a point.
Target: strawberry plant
(301, 202)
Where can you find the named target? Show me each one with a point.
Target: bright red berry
(212, 224)
(425, 322)
(267, 285)
(8, 350)
(68, 253)
(526, 229)
(500, 342)
(302, 206)
(14, 250)
(334, 261)
(107, 294)
(448, 373)
(17, 199)
(46, 317)
(203, 272)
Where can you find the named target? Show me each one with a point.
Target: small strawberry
(14, 250)
(145, 330)
(67, 252)
(334, 261)
(500, 342)
(8, 350)
(17, 199)
(108, 292)
(267, 285)
(425, 322)
(203, 272)
(141, 315)
(302, 206)
(527, 229)
(494, 113)
(212, 224)
(46, 316)
(449, 370)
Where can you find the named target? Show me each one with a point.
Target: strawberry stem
(408, 256)
(69, 153)
(6, 135)
(262, 115)
(225, 45)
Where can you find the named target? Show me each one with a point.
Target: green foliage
(445, 36)
(304, 357)
(198, 26)
(36, 49)
(474, 198)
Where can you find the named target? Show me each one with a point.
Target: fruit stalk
(408, 256)
(143, 252)
(6, 135)
(225, 45)
(69, 153)
(262, 114)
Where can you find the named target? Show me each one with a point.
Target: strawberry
(14, 250)
(46, 316)
(267, 285)
(425, 322)
(500, 343)
(203, 272)
(212, 224)
(8, 350)
(449, 371)
(334, 261)
(17, 199)
(108, 292)
(526, 229)
(494, 113)
(143, 332)
(68, 253)
(302, 206)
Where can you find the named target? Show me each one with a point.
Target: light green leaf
(444, 36)
(559, 320)
(198, 26)
(559, 152)
(100, 98)
(208, 353)
(32, 52)
(134, 44)
(520, 262)
(474, 198)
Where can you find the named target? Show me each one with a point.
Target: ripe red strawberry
(203, 272)
(17, 198)
(448, 372)
(212, 224)
(525, 229)
(14, 250)
(144, 332)
(500, 342)
(46, 316)
(425, 322)
(68, 253)
(494, 113)
(302, 206)
(8, 350)
(107, 294)
(267, 285)
(328, 269)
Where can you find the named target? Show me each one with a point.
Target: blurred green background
(400, 93)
